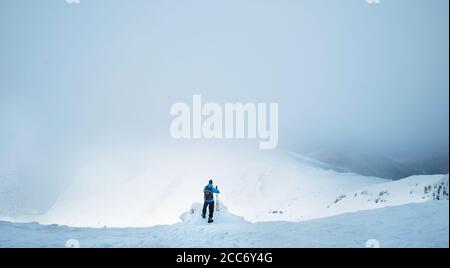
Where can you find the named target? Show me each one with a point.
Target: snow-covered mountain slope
(258, 186)
(409, 190)
(413, 225)
(262, 186)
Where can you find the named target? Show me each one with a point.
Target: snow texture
(413, 225)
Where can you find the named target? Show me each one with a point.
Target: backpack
(208, 194)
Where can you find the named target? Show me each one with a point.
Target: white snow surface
(412, 189)
(412, 225)
(258, 187)
(221, 215)
(272, 200)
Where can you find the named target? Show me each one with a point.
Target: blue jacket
(213, 189)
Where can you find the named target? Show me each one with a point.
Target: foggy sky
(103, 74)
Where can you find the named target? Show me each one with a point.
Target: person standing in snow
(209, 192)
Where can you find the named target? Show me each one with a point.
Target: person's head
(210, 182)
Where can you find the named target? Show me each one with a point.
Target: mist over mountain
(375, 164)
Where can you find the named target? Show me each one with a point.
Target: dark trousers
(210, 206)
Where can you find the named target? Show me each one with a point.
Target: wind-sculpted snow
(221, 216)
